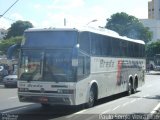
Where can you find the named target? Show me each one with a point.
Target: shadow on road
(37, 112)
(2, 87)
(111, 98)
(9, 87)
(156, 97)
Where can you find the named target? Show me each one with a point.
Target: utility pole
(64, 21)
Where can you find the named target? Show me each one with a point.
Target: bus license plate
(43, 99)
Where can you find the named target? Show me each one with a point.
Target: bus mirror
(11, 50)
(75, 51)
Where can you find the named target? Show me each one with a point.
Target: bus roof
(99, 30)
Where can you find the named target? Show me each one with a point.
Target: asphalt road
(137, 106)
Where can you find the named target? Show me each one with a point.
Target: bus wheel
(129, 88)
(91, 99)
(135, 86)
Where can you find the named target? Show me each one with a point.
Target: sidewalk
(153, 73)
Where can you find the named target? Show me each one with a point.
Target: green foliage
(17, 28)
(152, 49)
(14, 36)
(5, 44)
(129, 26)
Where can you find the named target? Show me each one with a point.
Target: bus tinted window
(109, 46)
(83, 66)
(96, 45)
(103, 46)
(84, 42)
(123, 48)
(116, 47)
(50, 39)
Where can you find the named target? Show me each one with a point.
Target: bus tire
(135, 85)
(91, 99)
(129, 92)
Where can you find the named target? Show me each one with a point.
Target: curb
(153, 73)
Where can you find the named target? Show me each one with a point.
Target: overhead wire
(8, 9)
(9, 19)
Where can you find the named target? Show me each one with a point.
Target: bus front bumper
(53, 99)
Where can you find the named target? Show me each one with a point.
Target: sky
(51, 13)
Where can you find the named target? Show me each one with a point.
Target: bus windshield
(50, 39)
(49, 65)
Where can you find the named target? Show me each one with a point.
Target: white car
(10, 80)
(157, 68)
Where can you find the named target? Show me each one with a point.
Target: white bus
(73, 66)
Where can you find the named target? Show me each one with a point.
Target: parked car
(157, 68)
(3, 72)
(10, 80)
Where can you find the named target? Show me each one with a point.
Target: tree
(5, 44)
(129, 26)
(18, 28)
(152, 49)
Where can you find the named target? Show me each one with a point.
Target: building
(154, 9)
(3, 33)
(154, 27)
(153, 21)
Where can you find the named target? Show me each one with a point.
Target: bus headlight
(65, 91)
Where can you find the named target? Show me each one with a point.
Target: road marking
(116, 108)
(14, 110)
(104, 112)
(145, 95)
(15, 97)
(80, 112)
(155, 109)
(75, 114)
(125, 104)
(139, 99)
(133, 101)
(109, 103)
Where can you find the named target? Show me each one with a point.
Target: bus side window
(84, 42)
(83, 67)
